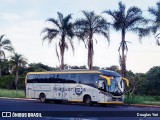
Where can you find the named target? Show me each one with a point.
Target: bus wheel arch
(87, 99)
(42, 97)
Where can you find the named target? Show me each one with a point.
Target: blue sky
(23, 20)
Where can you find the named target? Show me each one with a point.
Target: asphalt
(51, 111)
(136, 105)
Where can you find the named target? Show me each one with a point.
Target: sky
(22, 21)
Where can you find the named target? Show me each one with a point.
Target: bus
(87, 86)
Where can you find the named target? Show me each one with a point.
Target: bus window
(72, 78)
(62, 78)
(87, 79)
(51, 78)
(31, 79)
(95, 78)
(102, 84)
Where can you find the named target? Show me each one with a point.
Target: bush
(153, 77)
(21, 83)
(137, 99)
(8, 82)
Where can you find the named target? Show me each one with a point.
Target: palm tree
(5, 45)
(86, 28)
(155, 21)
(125, 21)
(17, 61)
(63, 29)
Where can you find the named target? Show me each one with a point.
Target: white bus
(88, 86)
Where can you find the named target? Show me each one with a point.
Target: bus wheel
(42, 98)
(87, 100)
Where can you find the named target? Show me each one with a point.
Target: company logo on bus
(79, 89)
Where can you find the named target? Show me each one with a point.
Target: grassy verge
(136, 99)
(12, 93)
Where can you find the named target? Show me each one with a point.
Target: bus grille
(116, 99)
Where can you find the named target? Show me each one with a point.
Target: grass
(12, 93)
(137, 99)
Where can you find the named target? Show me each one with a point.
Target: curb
(16, 98)
(143, 105)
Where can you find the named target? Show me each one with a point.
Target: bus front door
(102, 88)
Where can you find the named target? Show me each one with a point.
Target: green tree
(17, 61)
(153, 77)
(155, 12)
(5, 45)
(137, 83)
(87, 27)
(125, 21)
(39, 67)
(113, 68)
(141, 88)
(5, 67)
(62, 28)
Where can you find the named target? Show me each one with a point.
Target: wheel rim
(42, 98)
(88, 100)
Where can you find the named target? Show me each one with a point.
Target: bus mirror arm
(107, 79)
(127, 81)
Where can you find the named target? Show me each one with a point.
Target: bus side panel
(29, 90)
(58, 91)
(95, 94)
(43, 88)
(101, 98)
(69, 93)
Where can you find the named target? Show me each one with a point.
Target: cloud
(11, 1)
(11, 17)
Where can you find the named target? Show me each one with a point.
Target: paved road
(51, 109)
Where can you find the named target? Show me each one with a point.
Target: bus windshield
(116, 85)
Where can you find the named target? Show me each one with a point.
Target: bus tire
(42, 98)
(87, 100)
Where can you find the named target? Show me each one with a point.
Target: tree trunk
(123, 59)
(62, 60)
(16, 80)
(62, 49)
(90, 52)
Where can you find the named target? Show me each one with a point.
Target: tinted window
(72, 78)
(89, 79)
(62, 78)
(41, 78)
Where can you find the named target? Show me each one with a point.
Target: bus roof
(104, 72)
(110, 73)
(66, 72)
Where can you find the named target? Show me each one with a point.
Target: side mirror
(127, 81)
